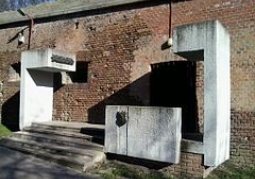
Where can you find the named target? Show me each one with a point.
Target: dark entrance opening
(173, 84)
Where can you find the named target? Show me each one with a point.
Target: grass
(113, 170)
(126, 172)
(4, 131)
(233, 172)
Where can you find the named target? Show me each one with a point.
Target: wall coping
(60, 7)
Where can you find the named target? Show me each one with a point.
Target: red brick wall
(190, 166)
(120, 47)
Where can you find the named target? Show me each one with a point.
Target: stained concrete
(209, 41)
(152, 133)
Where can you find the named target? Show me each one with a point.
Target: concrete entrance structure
(209, 41)
(36, 85)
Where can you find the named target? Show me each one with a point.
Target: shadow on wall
(125, 96)
(172, 85)
(10, 112)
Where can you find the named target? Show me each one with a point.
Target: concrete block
(152, 133)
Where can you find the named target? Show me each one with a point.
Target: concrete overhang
(50, 60)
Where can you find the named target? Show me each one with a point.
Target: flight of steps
(75, 145)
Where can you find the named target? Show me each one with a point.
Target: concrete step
(52, 148)
(96, 139)
(75, 162)
(77, 145)
(58, 140)
(85, 128)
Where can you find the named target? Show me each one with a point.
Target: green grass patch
(119, 171)
(137, 174)
(4, 131)
(116, 170)
(233, 172)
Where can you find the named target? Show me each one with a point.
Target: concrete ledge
(192, 146)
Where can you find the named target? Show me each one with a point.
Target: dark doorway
(173, 84)
(10, 112)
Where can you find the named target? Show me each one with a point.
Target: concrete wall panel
(152, 133)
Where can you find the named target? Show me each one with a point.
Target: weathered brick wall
(242, 100)
(121, 45)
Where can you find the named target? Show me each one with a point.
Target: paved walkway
(16, 165)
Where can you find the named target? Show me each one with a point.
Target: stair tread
(67, 139)
(75, 145)
(74, 160)
(74, 125)
(63, 133)
(69, 149)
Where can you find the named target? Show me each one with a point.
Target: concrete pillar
(209, 41)
(36, 85)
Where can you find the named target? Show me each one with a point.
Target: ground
(17, 165)
(118, 170)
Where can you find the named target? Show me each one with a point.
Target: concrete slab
(76, 125)
(16, 165)
(152, 133)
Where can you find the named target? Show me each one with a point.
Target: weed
(4, 131)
